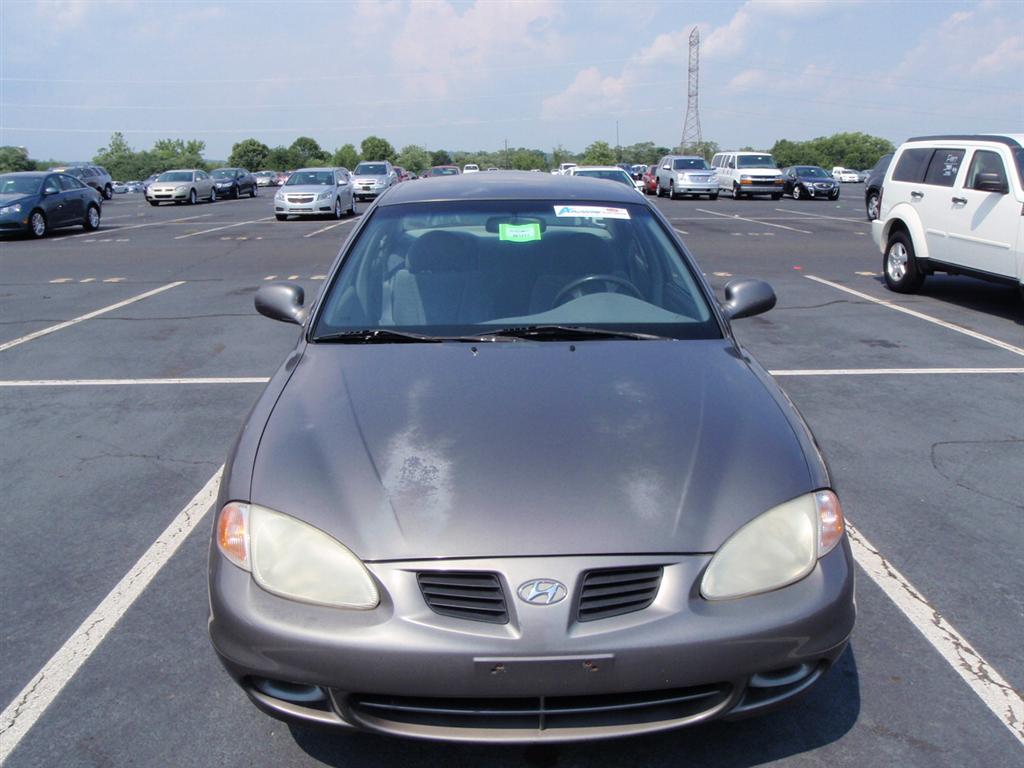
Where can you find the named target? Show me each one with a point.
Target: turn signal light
(831, 523)
(233, 533)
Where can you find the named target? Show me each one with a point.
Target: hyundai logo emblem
(542, 591)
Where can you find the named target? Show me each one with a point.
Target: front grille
(823, 185)
(616, 591)
(543, 712)
(473, 595)
(300, 199)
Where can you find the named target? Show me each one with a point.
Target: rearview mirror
(745, 297)
(991, 182)
(281, 301)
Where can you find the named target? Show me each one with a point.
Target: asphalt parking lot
(130, 356)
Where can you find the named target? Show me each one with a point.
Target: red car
(403, 175)
(650, 180)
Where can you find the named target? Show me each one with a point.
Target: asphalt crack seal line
(29, 705)
(988, 685)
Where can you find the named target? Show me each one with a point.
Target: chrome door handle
(960, 200)
(917, 195)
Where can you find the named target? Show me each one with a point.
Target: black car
(873, 186)
(233, 182)
(809, 181)
(36, 202)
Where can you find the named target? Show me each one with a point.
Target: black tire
(192, 197)
(352, 207)
(671, 190)
(252, 192)
(834, 195)
(871, 206)
(899, 264)
(213, 194)
(154, 203)
(280, 216)
(657, 188)
(337, 212)
(796, 192)
(236, 193)
(777, 196)
(108, 192)
(736, 194)
(37, 224)
(92, 218)
(713, 196)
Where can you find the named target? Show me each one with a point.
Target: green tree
(376, 148)
(250, 154)
(414, 158)
(306, 151)
(281, 159)
(15, 159)
(440, 157)
(561, 155)
(850, 150)
(346, 157)
(705, 149)
(598, 153)
(121, 160)
(175, 153)
(524, 159)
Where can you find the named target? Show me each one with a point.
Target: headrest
(441, 251)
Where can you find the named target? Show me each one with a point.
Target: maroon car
(650, 180)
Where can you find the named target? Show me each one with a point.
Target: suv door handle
(917, 195)
(960, 200)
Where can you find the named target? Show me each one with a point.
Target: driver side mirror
(991, 182)
(282, 301)
(745, 297)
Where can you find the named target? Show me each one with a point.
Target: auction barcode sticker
(590, 212)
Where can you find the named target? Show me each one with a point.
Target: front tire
(213, 195)
(337, 208)
(871, 206)
(37, 224)
(108, 192)
(252, 192)
(154, 203)
(796, 192)
(777, 196)
(671, 190)
(92, 219)
(713, 196)
(736, 194)
(192, 198)
(899, 264)
(280, 216)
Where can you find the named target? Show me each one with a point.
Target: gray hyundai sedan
(517, 481)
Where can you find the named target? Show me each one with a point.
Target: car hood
(817, 179)
(409, 451)
(15, 197)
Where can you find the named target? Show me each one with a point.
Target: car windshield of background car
(19, 185)
(689, 163)
(444, 172)
(618, 175)
(371, 169)
(310, 178)
(813, 172)
(470, 268)
(175, 176)
(755, 161)
(228, 173)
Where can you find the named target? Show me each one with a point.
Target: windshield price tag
(519, 233)
(590, 212)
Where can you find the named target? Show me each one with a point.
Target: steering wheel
(610, 281)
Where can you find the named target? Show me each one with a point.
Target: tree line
(850, 150)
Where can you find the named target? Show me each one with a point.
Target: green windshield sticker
(519, 233)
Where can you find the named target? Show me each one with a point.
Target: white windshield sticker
(590, 212)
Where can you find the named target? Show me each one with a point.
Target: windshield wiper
(564, 333)
(377, 336)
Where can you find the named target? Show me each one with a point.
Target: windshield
(812, 172)
(689, 163)
(445, 171)
(755, 161)
(616, 175)
(176, 176)
(371, 169)
(19, 185)
(469, 268)
(224, 173)
(310, 178)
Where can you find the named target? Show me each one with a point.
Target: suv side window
(69, 182)
(944, 167)
(912, 165)
(985, 161)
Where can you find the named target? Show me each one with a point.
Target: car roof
(599, 168)
(1010, 139)
(29, 174)
(317, 168)
(510, 185)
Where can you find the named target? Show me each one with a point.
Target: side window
(51, 185)
(912, 165)
(944, 167)
(731, 163)
(69, 182)
(201, 176)
(985, 161)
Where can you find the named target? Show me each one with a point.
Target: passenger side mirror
(745, 297)
(991, 182)
(282, 301)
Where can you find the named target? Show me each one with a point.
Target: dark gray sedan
(34, 203)
(517, 481)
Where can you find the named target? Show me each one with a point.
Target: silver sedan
(316, 192)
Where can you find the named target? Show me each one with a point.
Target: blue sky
(468, 75)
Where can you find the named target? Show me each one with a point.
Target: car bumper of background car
(162, 196)
(544, 676)
(313, 208)
(223, 191)
(696, 188)
(362, 191)
(761, 187)
(815, 190)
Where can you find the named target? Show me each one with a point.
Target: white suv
(745, 174)
(953, 204)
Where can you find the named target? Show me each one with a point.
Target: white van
(953, 204)
(745, 174)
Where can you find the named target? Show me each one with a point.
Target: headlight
(182, 188)
(746, 178)
(325, 195)
(776, 548)
(379, 183)
(279, 195)
(292, 559)
(16, 208)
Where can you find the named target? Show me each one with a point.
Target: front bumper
(402, 669)
(162, 195)
(365, 191)
(762, 187)
(814, 190)
(15, 222)
(313, 207)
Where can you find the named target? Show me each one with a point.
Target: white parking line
(889, 371)
(823, 216)
(88, 316)
(130, 382)
(331, 226)
(987, 684)
(29, 705)
(755, 221)
(136, 226)
(226, 226)
(680, 231)
(921, 316)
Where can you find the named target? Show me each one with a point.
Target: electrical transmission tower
(691, 125)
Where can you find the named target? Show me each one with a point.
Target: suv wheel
(736, 194)
(108, 192)
(671, 190)
(900, 266)
(871, 204)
